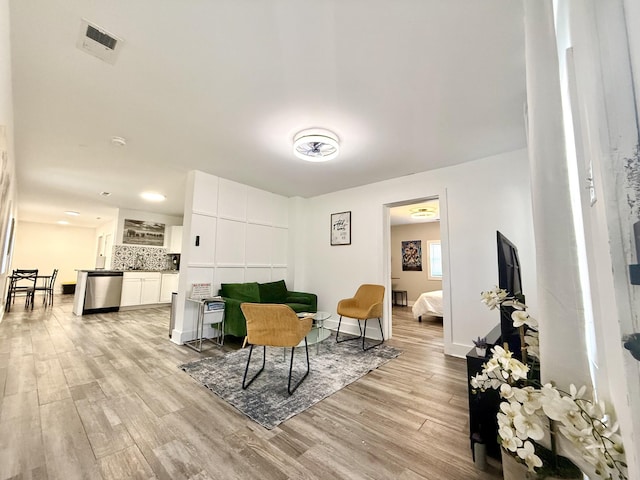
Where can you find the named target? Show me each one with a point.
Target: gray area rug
(266, 401)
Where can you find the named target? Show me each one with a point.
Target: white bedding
(429, 303)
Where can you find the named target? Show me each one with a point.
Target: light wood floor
(100, 397)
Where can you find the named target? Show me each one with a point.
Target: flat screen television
(510, 279)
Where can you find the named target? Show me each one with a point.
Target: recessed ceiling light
(316, 145)
(72, 213)
(119, 141)
(63, 222)
(105, 194)
(153, 196)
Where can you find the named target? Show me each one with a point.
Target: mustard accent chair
(274, 325)
(367, 303)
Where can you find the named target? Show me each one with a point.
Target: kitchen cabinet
(140, 288)
(168, 285)
(175, 239)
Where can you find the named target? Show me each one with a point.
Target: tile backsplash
(151, 258)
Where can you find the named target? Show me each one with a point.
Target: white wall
(243, 236)
(8, 207)
(48, 246)
(477, 198)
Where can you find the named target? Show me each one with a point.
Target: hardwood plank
(21, 453)
(67, 450)
(21, 377)
(104, 428)
(52, 384)
(126, 464)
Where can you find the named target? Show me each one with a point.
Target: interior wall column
(562, 344)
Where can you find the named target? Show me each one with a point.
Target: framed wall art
(412, 256)
(139, 232)
(341, 228)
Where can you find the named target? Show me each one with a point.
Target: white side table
(210, 312)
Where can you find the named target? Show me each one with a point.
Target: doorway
(415, 266)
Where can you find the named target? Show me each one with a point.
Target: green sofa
(273, 292)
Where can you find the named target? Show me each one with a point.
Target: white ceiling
(222, 86)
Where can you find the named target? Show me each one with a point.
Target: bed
(428, 303)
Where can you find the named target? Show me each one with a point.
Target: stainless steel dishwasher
(103, 291)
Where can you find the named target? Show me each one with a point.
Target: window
(435, 260)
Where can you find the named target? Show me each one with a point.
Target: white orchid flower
(530, 398)
(498, 352)
(477, 381)
(491, 365)
(532, 322)
(529, 426)
(513, 303)
(575, 393)
(510, 409)
(527, 453)
(494, 297)
(517, 369)
(506, 391)
(534, 352)
(508, 438)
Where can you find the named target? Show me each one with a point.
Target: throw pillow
(273, 292)
(246, 292)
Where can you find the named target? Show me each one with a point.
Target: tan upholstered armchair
(274, 325)
(367, 303)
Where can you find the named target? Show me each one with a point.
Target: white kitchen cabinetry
(169, 284)
(175, 239)
(140, 288)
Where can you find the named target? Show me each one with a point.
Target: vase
(512, 469)
(481, 351)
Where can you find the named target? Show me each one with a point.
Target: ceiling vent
(98, 42)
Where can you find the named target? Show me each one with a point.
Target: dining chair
(367, 303)
(274, 325)
(21, 282)
(47, 287)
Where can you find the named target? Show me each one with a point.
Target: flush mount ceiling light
(63, 222)
(316, 145)
(153, 196)
(119, 141)
(72, 213)
(423, 212)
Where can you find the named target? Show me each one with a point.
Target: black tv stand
(483, 406)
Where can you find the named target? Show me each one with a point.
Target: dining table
(42, 282)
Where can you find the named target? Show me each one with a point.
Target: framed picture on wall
(412, 256)
(139, 232)
(341, 228)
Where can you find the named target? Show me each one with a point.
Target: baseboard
(457, 350)
(180, 338)
(140, 307)
(350, 327)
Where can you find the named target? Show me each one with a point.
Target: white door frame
(446, 276)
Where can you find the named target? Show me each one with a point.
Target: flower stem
(554, 446)
(523, 345)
